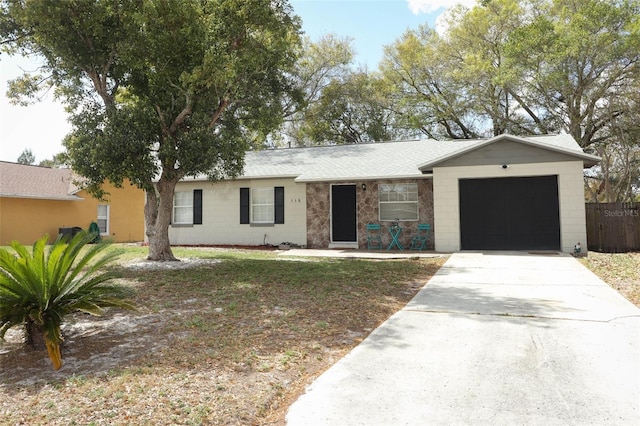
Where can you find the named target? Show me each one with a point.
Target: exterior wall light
(364, 186)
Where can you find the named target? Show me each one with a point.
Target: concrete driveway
(492, 339)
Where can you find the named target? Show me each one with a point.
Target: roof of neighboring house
(25, 181)
(383, 160)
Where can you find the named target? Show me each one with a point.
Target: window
(398, 201)
(103, 219)
(183, 208)
(187, 207)
(262, 205)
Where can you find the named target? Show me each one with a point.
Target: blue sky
(371, 24)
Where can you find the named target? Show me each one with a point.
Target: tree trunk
(35, 336)
(36, 339)
(157, 215)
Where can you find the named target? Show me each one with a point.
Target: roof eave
(43, 197)
(283, 176)
(590, 162)
(243, 177)
(361, 178)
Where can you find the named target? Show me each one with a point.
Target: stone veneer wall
(319, 212)
(318, 215)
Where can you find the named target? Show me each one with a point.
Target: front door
(343, 213)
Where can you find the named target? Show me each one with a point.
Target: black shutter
(197, 206)
(244, 205)
(278, 195)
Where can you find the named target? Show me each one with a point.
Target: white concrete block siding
(221, 215)
(570, 193)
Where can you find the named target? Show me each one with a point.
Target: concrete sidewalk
(360, 254)
(492, 339)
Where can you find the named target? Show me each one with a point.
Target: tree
(339, 102)
(579, 63)
(524, 67)
(27, 157)
(350, 110)
(617, 177)
(59, 160)
(427, 96)
(40, 287)
(529, 67)
(475, 49)
(161, 89)
(458, 84)
(319, 64)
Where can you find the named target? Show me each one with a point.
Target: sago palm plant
(39, 287)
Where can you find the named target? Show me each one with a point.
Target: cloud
(429, 6)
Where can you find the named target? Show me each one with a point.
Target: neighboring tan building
(39, 200)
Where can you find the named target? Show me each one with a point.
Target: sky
(370, 24)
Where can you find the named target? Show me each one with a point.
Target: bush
(39, 287)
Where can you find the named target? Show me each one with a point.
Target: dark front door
(343, 213)
(510, 213)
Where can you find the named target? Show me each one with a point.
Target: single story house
(39, 200)
(502, 193)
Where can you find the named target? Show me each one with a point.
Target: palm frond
(41, 286)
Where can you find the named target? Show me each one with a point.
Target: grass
(620, 270)
(233, 341)
(230, 342)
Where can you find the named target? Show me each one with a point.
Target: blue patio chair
(419, 240)
(374, 236)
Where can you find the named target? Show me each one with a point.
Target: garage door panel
(510, 213)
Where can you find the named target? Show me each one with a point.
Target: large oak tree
(158, 89)
(529, 67)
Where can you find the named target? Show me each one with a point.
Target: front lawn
(230, 338)
(620, 270)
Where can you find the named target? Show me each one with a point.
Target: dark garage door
(510, 213)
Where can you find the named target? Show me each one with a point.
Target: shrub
(39, 287)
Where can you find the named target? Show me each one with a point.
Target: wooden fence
(613, 227)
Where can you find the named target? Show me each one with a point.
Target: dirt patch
(144, 264)
(93, 345)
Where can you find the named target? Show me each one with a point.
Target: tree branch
(224, 102)
(524, 106)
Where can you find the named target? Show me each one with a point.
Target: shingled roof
(382, 160)
(24, 181)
